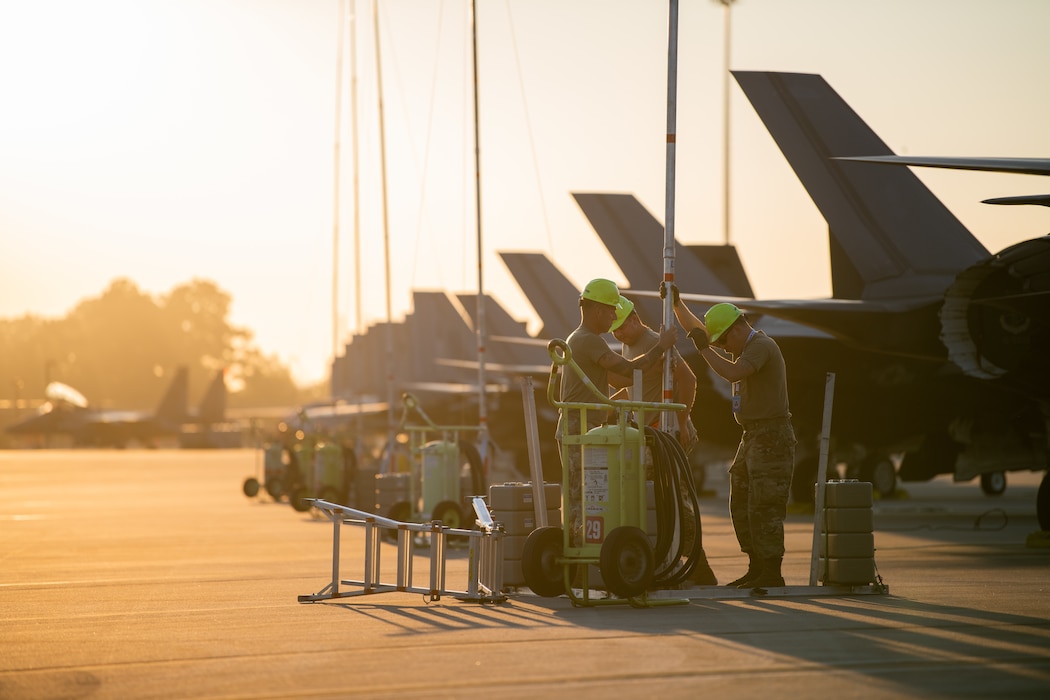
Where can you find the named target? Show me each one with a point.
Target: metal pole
(336, 171)
(822, 470)
(482, 402)
(390, 418)
(532, 440)
(669, 195)
(358, 315)
(337, 523)
(725, 118)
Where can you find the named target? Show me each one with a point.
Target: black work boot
(753, 570)
(701, 573)
(770, 577)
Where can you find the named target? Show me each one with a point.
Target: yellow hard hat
(602, 291)
(623, 310)
(719, 318)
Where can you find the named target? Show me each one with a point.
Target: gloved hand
(699, 338)
(674, 292)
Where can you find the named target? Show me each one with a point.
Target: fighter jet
(945, 341)
(66, 412)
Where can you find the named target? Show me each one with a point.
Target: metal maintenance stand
(485, 571)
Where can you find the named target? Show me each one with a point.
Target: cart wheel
(275, 487)
(449, 514)
(539, 562)
(251, 487)
(400, 511)
(470, 456)
(298, 498)
(627, 561)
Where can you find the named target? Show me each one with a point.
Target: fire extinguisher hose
(679, 545)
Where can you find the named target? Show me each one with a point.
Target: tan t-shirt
(586, 348)
(763, 394)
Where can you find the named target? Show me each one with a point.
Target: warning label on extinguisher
(596, 490)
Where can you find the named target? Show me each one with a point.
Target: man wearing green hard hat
(760, 475)
(637, 338)
(590, 351)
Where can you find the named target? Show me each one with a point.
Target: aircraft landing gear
(1042, 503)
(881, 472)
(993, 483)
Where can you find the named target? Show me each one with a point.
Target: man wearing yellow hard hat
(592, 354)
(760, 476)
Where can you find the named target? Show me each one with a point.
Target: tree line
(122, 348)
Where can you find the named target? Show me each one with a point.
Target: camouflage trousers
(759, 483)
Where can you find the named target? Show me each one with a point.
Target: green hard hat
(602, 291)
(719, 318)
(623, 310)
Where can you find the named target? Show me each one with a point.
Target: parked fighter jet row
(938, 345)
(960, 385)
(69, 418)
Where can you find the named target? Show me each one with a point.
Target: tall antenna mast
(358, 305)
(482, 402)
(390, 419)
(335, 206)
(725, 118)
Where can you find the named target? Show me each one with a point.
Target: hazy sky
(164, 140)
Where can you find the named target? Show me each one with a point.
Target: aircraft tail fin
(724, 261)
(212, 407)
(635, 238)
(172, 408)
(549, 292)
(890, 236)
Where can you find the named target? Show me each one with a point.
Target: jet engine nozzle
(994, 321)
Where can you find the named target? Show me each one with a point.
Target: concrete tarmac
(148, 574)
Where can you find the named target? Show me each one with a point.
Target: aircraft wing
(893, 326)
(520, 340)
(496, 366)
(452, 387)
(1041, 199)
(1027, 166)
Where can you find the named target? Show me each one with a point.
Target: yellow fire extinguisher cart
(435, 484)
(613, 502)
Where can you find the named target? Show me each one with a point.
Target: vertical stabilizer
(891, 237)
(724, 261)
(550, 292)
(500, 324)
(212, 407)
(172, 409)
(635, 239)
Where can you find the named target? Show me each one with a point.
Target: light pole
(725, 116)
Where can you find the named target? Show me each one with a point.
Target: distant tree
(119, 345)
(122, 348)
